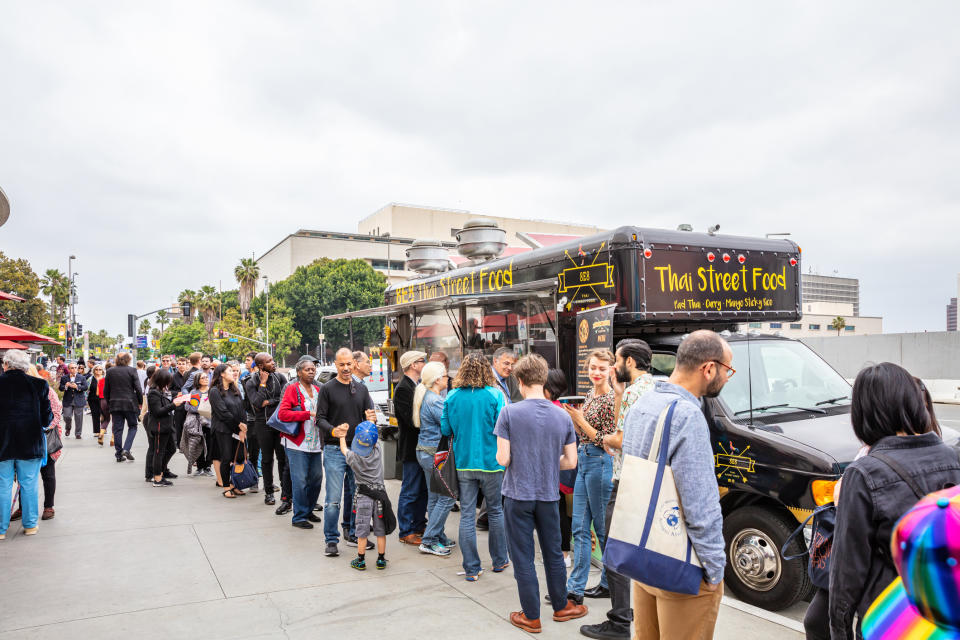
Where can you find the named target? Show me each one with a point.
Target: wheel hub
(755, 559)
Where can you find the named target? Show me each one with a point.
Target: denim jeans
(412, 503)
(340, 486)
(523, 517)
(119, 418)
(28, 475)
(590, 497)
(306, 474)
(438, 506)
(473, 483)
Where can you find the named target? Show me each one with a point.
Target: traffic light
(79, 329)
(185, 308)
(131, 321)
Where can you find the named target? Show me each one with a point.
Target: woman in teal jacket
(470, 413)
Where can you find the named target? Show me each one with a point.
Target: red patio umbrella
(9, 332)
(9, 296)
(9, 344)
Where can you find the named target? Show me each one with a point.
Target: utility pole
(72, 331)
(266, 292)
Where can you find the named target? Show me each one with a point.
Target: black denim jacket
(872, 499)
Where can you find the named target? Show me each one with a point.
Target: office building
(817, 288)
(383, 237)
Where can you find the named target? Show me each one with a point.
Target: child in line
(372, 506)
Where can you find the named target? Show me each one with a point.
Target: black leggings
(816, 622)
(158, 453)
(48, 473)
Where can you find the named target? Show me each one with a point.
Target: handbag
(203, 407)
(443, 480)
(289, 428)
(54, 443)
(821, 544)
(648, 540)
(243, 474)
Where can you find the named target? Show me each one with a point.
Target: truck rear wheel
(756, 572)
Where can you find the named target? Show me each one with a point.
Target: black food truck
(780, 429)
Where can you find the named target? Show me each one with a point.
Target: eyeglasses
(730, 370)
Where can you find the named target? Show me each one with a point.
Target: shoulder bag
(443, 480)
(648, 540)
(243, 475)
(821, 544)
(289, 428)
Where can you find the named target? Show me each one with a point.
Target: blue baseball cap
(364, 438)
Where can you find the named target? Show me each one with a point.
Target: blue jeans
(472, 483)
(438, 506)
(412, 503)
(590, 496)
(340, 486)
(28, 474)
(523, 517)
(306, 474)
(119, 419)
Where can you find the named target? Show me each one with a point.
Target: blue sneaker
(436, 549)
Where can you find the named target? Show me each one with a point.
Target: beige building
(817, 321)
(383, 237)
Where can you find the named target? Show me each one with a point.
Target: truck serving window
(786, 376)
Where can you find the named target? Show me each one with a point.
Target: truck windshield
(786, 376)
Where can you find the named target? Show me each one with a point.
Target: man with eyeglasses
(703, 367)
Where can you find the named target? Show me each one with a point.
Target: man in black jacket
(121, 388)
(264, 389)
(412, 504)
(73, 385)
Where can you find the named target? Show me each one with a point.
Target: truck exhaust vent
(427, 257)
(481, 240)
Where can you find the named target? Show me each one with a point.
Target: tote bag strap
(661, 437)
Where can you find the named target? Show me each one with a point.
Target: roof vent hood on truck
(427, 257)
(481, 240)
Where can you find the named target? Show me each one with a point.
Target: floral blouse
(598, 412)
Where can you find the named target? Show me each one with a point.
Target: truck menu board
(704, 282)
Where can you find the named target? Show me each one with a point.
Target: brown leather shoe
(517, 619)
(570, 612)
(413, 539)
(47, 514)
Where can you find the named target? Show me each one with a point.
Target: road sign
(141, 342)
(62, 330)
(234, 340)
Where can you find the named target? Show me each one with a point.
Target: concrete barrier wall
(933, 357)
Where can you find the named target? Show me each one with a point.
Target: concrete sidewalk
(124, 559)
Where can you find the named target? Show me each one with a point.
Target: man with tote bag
(673, 413)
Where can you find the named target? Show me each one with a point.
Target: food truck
(780, 429)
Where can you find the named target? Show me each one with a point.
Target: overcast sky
(159, 143)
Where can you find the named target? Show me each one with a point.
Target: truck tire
(756, 572)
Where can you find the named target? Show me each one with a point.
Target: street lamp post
(266, 292)
(72, 333)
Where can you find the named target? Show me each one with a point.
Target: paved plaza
(123, 559)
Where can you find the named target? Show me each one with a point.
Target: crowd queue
(517, 451)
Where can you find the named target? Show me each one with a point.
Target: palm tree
(207, 303)
(838, 323)
(144, 328)
(246, 274)
(162, 319)
(188, 295)
(54, 284)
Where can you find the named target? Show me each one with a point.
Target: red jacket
(286, 412)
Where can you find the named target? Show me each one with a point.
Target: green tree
(18, 278)
(54, 284)
(246, 274)
(283, 333)
(838, 323)
(162, 318)
(144, 328)
(188, 295)
(325, 287)
(182, 339)
(229, 299)
(51, 331)
(208, 305)
(243, 331)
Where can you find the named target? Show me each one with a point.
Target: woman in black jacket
(907, 460)
(159, 424)
(226, 421)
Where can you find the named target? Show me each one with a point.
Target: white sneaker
(435, 549)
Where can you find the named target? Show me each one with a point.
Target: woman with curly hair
(470, 413)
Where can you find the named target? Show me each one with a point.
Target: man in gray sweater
(703, 367)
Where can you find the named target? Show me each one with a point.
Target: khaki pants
(659, 614)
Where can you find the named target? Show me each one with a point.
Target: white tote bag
(647, 540)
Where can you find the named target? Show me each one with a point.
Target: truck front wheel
(756, 572)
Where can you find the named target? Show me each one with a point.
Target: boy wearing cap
(365, 458)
